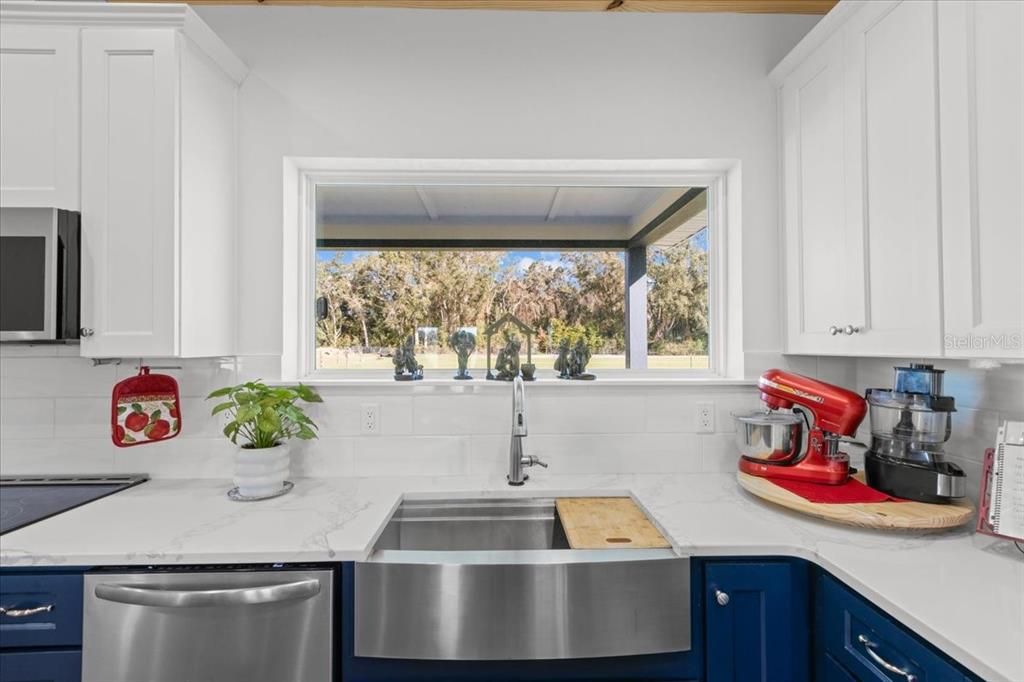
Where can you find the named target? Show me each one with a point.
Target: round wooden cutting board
(891, 515)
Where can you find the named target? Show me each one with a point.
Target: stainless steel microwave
(40, 264)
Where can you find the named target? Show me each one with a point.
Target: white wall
(404, 83)
(379, 83)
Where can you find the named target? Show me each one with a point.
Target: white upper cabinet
(39, 116)
(158, 196)
(894, 177)
(902, 129)
(158, 155)
(824, 270)
(129, 185)
(981, 104)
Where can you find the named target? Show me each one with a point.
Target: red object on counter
(850, 492)
(144, 409)
(835, 411)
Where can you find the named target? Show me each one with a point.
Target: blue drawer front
(863, 640)
(829, 671)
(41, 666)
(60, 626)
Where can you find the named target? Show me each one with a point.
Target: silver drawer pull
(722, 597)
(244, 596)
(24, 613)
(869, 647)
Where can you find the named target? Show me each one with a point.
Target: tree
(598, 278)
(344, 305)
(537, 295)
(677, 297)
(460, 287)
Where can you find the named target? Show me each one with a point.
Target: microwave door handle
(244, 596)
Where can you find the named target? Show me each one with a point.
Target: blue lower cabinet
(866, 644)
(671, 667)
(41, 666)
(757, 621)
(40, 609)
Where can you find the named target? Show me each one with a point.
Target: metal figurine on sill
(507, 362)
(463, 342)
(572, 361)
(406, 367)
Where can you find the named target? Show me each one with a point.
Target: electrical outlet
(369, 418)
(705, 417)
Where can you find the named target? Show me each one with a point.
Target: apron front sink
(495, 579)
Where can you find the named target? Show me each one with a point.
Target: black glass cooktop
(25, 500)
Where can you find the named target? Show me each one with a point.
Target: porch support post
(636, 307)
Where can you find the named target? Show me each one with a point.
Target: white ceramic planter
(262, 472)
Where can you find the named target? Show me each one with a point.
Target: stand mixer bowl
(770, 437)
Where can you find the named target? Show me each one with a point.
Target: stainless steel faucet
(516, 459)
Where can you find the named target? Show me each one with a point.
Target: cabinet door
(39, 117)
(824, 250)
(63, 665)
(981, 101)
(758, 621)
(892, 93)
(129, 207)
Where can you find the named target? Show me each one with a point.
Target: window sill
(480, 384)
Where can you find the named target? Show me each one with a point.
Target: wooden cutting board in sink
(607, 523)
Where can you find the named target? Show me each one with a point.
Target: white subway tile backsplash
(606, 411)
(718, 452)
(476, 413)
(340, 415)
(177, 458)
(411, 456)
(324, 457)
(81, 417)
(54, 418)
(56, 456)
(53, 377)
(26, 418)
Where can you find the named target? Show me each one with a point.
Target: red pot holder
(144, 409)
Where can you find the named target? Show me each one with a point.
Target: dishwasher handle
(243, 596)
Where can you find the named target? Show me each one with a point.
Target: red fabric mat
(851, 492)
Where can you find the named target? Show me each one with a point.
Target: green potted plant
(262, 419)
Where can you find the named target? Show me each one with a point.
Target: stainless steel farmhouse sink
(495, 579)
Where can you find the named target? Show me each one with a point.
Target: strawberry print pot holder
(144, 409)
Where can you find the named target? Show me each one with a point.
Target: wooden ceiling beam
(731, 6)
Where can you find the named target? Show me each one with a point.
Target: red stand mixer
(771, 441)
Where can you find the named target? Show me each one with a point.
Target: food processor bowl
(917, 426)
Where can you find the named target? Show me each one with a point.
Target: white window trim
(721, 176)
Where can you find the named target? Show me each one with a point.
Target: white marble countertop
(962, 592)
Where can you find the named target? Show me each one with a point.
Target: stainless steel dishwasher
(191, 625)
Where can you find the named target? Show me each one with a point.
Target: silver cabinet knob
(850, 330)
(721, 597)
(833, 330)
(85, 332)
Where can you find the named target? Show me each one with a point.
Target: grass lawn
(335, 358)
